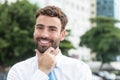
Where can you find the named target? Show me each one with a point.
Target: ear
(63, 34)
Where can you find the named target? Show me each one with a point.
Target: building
(109, 8)
(93, 12)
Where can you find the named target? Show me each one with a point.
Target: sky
(8, 1)
(32, 1)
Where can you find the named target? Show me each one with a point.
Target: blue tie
(52, 75)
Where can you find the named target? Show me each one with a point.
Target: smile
(43, 42)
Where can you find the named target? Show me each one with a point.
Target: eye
(39, 26)
(53, 29)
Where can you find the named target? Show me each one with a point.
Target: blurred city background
(93, 33)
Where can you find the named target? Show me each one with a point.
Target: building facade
(109, 8)
(93, 11)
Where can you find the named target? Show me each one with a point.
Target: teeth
(44, 41)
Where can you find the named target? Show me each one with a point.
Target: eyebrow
(48, 26)
(39, 25)
(52, 27)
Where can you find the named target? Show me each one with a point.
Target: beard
(42, 49)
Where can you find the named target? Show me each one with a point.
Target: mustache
(42, 38)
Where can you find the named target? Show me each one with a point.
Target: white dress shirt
(66, 69)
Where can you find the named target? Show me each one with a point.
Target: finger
(49, 50)
(55, 52)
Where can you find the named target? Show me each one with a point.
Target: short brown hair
(53, 11)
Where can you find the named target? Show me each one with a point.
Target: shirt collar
(58, 58)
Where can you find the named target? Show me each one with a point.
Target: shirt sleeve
(15, 74)
(82, 71)
(87, 74)
(12, 75)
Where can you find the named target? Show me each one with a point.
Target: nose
(45, 33)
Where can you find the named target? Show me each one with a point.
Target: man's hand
(46, 61)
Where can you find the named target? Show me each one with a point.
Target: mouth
(44, 42)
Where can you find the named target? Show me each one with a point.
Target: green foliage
(65, 46)
(103, 40)
(16, 32)
(102, 20)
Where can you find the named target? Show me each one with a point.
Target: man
(49, 31)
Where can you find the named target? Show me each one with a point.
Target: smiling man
(49, 63)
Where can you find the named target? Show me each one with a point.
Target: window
(92, 5)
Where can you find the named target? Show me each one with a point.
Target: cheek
(55, 37)
(58, 37)
(35, 34)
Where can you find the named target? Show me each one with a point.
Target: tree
(66, 44)
(104, 39)
(16, 32)
(16, 28)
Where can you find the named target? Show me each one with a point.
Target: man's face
(47, 33)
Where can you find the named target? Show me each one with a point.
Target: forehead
(48, 21)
